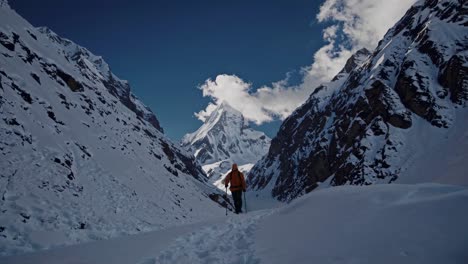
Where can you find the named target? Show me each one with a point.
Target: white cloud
(204, 114)
(237, 93)
(363, 22)
(356, 24)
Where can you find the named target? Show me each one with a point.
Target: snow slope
(375, 224)
(446, 158)
(422, 223)
(81, 157)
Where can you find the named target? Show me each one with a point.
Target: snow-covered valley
(422, 223)
(372, 168)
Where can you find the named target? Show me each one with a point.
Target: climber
(237, 180)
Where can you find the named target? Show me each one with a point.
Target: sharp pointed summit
(223, 139)
(226, 135)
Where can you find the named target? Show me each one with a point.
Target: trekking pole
(225, 196)
(245, 203)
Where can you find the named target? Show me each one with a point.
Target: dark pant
(237, 196)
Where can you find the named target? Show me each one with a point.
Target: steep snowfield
(443, 156)
(396, 223)
(81, 157)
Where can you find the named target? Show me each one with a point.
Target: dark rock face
(415, 95)
(222, 200)
(70, 81)
(206, 150)
(455, 78)
(380, 97)
(354, 61)
(183, 162)
(354, 129)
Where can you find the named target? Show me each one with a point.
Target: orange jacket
(237, 180)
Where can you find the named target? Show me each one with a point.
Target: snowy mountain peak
(226, 135)
(357, 59)
(81, 55)
(46, 31)
(223, 116)
(94, 68)
(226, 107)
(225, 110)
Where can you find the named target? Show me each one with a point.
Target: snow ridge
(95, 68)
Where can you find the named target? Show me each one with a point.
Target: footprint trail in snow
(228, 242)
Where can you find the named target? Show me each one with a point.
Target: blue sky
(168, 48)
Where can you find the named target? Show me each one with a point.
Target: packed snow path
(424, 223)
(228, 242)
